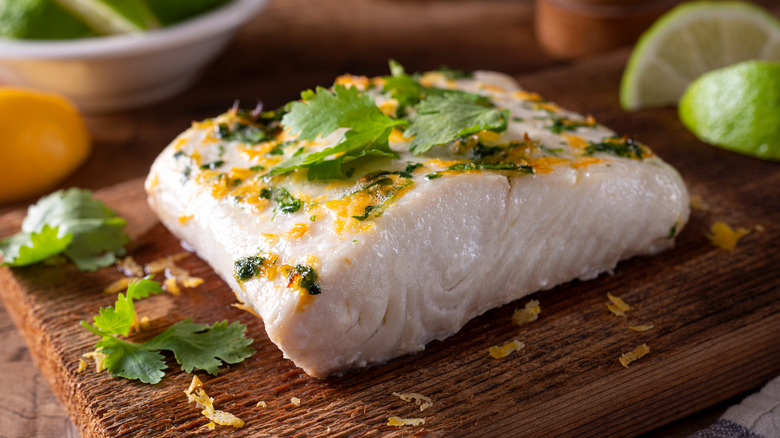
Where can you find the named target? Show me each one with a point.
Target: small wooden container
(569, 29)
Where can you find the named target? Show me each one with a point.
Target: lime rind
(673, 51)
(736, 108)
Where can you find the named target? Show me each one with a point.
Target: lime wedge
(690, 40)
(737, 108)
(109, 17)
(173, 11)
(39, 19)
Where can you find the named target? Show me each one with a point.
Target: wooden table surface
(295, 44)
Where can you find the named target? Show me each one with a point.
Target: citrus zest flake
(119, 285)
(195, 393)
(82, 366)
(617, 306)
(497, 352)
(99, 359)
(642, 328)
(698, 203)
(420, 400)
(160, 265)
(295, 401)
(171, 286)
(395, 421)
(724, 237)
(527, 314)
(245, 308)
(129, 267)
(635, 354)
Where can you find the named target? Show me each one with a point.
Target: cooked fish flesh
(347, 272)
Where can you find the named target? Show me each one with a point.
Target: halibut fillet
(347, 273)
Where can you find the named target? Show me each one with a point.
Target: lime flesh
(690, 40)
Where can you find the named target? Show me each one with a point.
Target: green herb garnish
(241, 132)
(321, 113)
(212, 165)
(620, 146)
(562, 124)
(476, 165)
(366, 212)
(308, 279)
(70, 222)
(673, 231)
(440, 119)
(248, 267)
(195, 346)
(286, 202)
(407, 172)
(454, 74)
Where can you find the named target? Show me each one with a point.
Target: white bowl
(112, 73)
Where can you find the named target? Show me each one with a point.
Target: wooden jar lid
(572, 28)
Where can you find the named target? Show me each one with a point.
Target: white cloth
(758, 416)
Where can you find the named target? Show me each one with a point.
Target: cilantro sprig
(195, 346)
(433, 116)
(322, 112)
(440, 119)
(69, 222)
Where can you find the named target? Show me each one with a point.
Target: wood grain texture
(716, 316)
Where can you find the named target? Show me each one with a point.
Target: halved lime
(40, 19)
(690, 40)
(737, 108)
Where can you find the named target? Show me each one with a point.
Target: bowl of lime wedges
(112, 55)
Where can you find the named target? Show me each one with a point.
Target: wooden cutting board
(716, 317)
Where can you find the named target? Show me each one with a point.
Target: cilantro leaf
(442, 118)
(142, 288)
(132, 361)
(201, 346)
(408, 91)
(194, 345)
(119, 318)
(95, 230)
(402, 87)
(241, 132)
(323, 112)
(24, 249)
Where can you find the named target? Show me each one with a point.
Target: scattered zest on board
(527, 314)
(420, 400)
(398, 422)
(617, 305)
(725, 237)
(497, 352)
(635, 354)
(195, 393)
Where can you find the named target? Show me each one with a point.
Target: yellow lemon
(44, 139)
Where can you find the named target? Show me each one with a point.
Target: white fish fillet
(438, 253)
